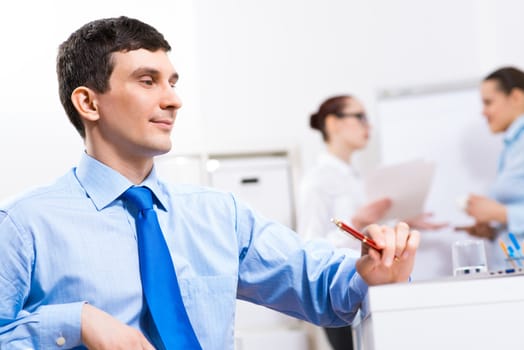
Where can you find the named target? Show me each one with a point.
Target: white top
(331, 189)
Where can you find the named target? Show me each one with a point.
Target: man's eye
(147, 81)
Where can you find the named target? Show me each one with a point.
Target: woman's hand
(479, 229)
(371, 213)
(484, 209)
(420, 222)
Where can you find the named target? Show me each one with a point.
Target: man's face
(137, 113)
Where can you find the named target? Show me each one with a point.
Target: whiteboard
(446, 126)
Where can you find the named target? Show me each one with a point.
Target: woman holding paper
(333, 188)
(503, 210)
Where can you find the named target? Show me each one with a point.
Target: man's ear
(85, 101)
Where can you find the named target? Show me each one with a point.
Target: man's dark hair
(85, 58)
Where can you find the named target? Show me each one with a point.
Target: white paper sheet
(406, 184)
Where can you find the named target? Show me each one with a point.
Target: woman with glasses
(502, 210)
(333, 189)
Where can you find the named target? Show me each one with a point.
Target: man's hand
(395, 262)
(101, 331)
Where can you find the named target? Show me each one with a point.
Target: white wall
(251, 71)
(265, 66)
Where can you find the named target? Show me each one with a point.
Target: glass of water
(469, 257)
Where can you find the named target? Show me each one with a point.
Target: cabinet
(451, 313)
(262, 181)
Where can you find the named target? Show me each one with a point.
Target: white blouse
(331, 189)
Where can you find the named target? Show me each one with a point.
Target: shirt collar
(329, 159)
(104, 185)
(514, 129)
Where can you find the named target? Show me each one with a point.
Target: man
(70, 272)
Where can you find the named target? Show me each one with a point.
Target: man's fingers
(375, 232)
(412, 244)
(402, 234)
(385, 237)
(388, 253)
(367, 263)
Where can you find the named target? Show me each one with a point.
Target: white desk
(481, 313)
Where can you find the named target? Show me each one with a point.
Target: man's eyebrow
(145, 71)
(153, 72)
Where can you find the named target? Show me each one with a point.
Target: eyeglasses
(360, 116)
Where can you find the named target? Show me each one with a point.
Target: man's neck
(134, 168)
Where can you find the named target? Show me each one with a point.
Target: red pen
(360, 236)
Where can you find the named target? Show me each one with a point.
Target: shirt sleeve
(307, 280)
(515, 218)
(45, 327)
(508, 188)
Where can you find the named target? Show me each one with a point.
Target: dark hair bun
(314, 122)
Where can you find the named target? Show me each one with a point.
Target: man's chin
(161, 150)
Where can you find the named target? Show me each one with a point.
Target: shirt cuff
(61, 325)
(359, 292)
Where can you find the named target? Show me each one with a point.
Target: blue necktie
(159, 282)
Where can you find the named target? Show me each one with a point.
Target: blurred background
(251, 71)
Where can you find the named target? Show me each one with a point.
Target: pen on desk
(515, 243)
(517, 253)
(505, 249)
(514, 256)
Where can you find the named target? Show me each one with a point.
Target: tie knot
(141, 197)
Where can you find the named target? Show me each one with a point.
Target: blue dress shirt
(74, 242)
(508, 188)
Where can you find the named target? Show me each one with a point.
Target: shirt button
(60, 341)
